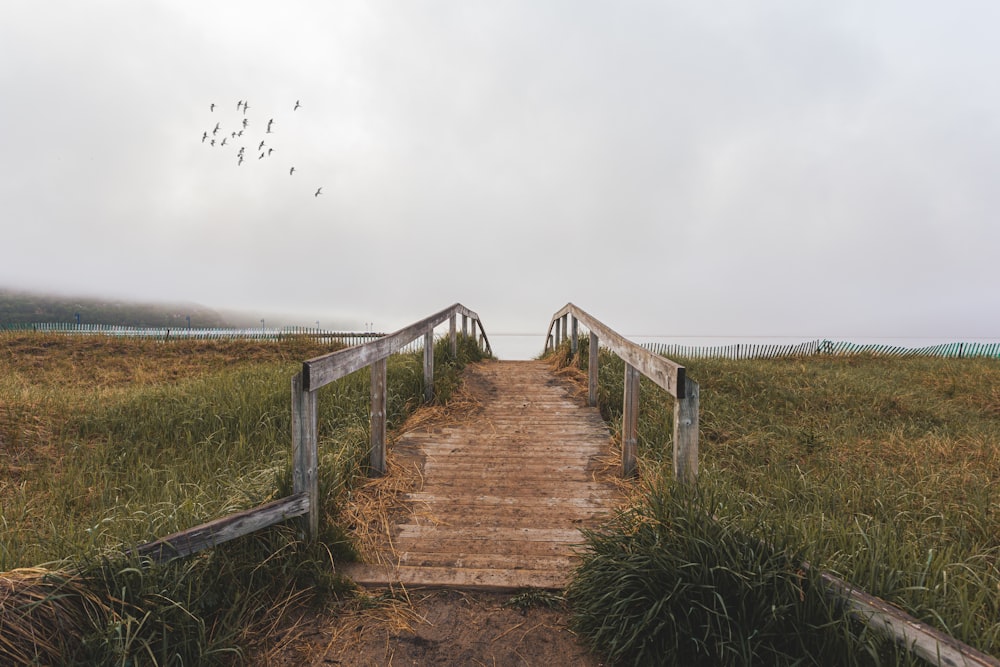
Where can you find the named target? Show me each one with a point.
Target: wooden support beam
(453, 336)
(686, 434)
(573, 334)
(592, 370)
(630, 420)
(429, 365)
(305, 459)
(465, 324)
(378, 418)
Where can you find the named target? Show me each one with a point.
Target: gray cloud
(766, 169)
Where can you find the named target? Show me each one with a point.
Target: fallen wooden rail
(217, 531)
(666, 373)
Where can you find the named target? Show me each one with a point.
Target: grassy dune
(885, 471)
(107, 443)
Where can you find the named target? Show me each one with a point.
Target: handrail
(668, 374)
(322, 370)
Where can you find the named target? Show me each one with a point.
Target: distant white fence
(823, 347)
(347, 338)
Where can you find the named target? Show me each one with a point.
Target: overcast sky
(770, 168)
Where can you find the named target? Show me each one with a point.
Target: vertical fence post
(556, 339)
(592, 371)
(304, 455)
(453, 336)
(465, 324)
(686, 434)
(630, 420)
(573, 342)
(565, 327)
(378, 393)
(429, 365)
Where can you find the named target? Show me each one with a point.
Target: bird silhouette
(261, 144)
(204, 136)
(269, 151)
(240, 133)
(245, 122)
(297, 105)
(216, 129)
(291, 171)
(211, 107)
(261, 157)
(212, 142)
(233, 135)
(223, 141)
(240, 161)
(246, 106)
(239, 104)
(269, 123)
(318, 192)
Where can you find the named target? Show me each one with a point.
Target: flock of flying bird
(232, 137)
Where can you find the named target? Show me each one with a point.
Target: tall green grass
(92, 468)
(884, 471)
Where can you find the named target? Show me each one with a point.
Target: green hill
(18, 307)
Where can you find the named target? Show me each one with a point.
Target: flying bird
(233, 135)
(216, 129)
(291, 171)
(297, 105)
(239, 104)
(211, 107)
(318, 192)
(245, 121)
(204, 136)
(223, 141)
(269, 126)
(261, 157)
(245, 107)
(240, 133)
(240, 162)
(212, 142)
(261, 144)
(269, 151)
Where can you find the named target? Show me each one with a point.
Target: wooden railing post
(453, 336)
(565, 328)
(573, 335)
(592, 371)
(555, 332)
(304, 455)
(378, 394)
(429, 365)
(686, 434)
(630, 420)
(465, 325)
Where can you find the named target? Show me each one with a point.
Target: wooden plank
(433, 534)
(212, 533)
(453, 577)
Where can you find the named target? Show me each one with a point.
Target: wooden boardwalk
(503, 492)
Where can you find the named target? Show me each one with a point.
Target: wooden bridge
(501, 494)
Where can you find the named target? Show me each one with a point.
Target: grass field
(107, 443)
(884, 471)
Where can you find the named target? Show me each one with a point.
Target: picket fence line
(823, 347)
(347, 338)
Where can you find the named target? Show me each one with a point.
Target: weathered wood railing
(323, 370)
(316, 373)
(667, 374)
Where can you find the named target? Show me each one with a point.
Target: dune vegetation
(884, 471)
(108, 443)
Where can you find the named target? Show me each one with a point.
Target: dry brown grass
(43, 615)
